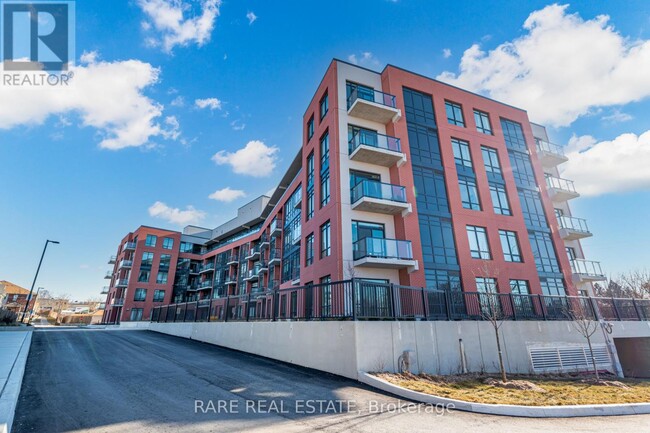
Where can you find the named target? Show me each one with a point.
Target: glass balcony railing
(104, 290)
(572, 223)
(545, 146)
(374, 189)
(275, 254)
(126, 263)
(561, 184)
(118, 302)
(205, 284)
(129, 245)
(368, 94)
(122, 283)
(383, 249)
(207, 267)
(111, 260)
(586, 267)
(374, 139)
(276, 226)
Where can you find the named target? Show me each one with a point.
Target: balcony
(127, 264)
(253, 274)
(111, 260)
(373, 148)
(264, 241)
(108, 275)
(129, 246)
(104, 290)
(561, 189)
(572, 229)
(117, 302)
(253, 253)
(373, 196)
(206, 267)
(207, 284)
(274, 257)
(550, 154)
(264, 267)
(276, 227)
(384, 253)
(195, 269)
(233, 260)
(586, 271)
(231, 280)
(372, 105)
(102, 306)
(122, 283)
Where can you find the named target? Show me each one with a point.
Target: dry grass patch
(525, 390)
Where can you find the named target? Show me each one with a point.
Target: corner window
(151, 241)
(324, 106)
(454, 114)
(310, 128)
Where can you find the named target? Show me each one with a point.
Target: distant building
(14, 297)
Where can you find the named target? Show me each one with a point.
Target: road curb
(506, 409)
(9, 394)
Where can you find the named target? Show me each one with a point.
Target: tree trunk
(504, 378)
(593, 359)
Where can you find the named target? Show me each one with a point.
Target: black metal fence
(363, 300)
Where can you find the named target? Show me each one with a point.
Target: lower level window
(136, 314)
(159, 296)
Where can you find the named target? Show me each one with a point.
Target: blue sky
(88, 166)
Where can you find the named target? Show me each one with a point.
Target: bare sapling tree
(586, 325)
(491, 309)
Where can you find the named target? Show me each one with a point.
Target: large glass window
(325, 193)
(437, 238)
(543, 252)
(430, 190)
(522, 170)
(553, 286)
(310, 186)
(325, 152)
(309, 250)
(363, 229)
(165, 261)
(151, 241)
(442, 280)
(514, 135)
(482, 120)
(478, 243)
(143, 276)
(325, 240)
(462, 155)
(454, 114)
(419, 108)
(531, 207)
(136, 314)
(510, 246)
(140, 295)
(324, 170)
(159, 295)
(499, 199)
(425, 145)
(168, 243)
(491, 160)
(469, 193)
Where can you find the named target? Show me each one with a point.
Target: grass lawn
(552, 391)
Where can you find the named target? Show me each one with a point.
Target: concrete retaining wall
(346, 347)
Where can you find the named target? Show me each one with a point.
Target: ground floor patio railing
(362, 300)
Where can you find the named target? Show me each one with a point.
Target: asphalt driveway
(139, 381)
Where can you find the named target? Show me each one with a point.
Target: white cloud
(251, 17)
(175, 215)
(210, 103)
(563, 67)
(108, 96)
(617, 116)
(605, 167)
(173, 131)
(446, 53)
(227, 194)
(168, 18)
(366, 59)
(237, 125)
(255, 159)
(178, 101)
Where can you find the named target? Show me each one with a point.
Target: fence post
(196, 312)
(424, 305)
(274, 306)
(209, 309)
(542, 307)
(175, 310)
(393, 304)
(618, 316)
(225, 309)
(636, 309)
(248, 307)
(354, 303)
(185, 312)
(447, 303)
(512, 305)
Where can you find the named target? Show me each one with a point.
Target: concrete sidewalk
(14, 348)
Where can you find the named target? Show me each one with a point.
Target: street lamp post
(31, 290)
(31, 310)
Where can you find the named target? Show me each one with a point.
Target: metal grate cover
(568, 358)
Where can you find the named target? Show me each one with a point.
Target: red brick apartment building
(402, 180)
